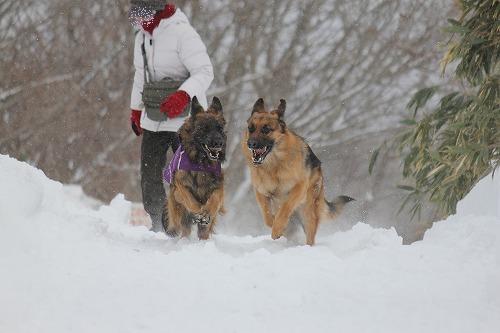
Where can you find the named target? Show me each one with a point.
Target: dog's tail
(335, 207)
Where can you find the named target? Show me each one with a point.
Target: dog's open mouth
(213, 153)
(259, 154)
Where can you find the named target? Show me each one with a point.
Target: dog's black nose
(253, 144)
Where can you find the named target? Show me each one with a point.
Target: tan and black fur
(286, 174)
(194, 195)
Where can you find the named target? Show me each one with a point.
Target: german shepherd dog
(196, 197)
(286, 174)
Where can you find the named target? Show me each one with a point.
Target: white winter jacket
(174, 50)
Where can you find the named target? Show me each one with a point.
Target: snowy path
(67, 267)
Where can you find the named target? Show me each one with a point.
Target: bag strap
(146, 67)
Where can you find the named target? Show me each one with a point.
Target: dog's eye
(266, 129)
(251, 128)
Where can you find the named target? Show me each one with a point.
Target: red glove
(135, 121)
(175, 104)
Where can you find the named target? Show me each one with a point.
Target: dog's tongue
(259, 151)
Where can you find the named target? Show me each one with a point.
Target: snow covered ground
(67, 266)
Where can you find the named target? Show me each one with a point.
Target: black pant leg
(154, 149)
(175, 141)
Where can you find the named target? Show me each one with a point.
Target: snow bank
(67, 266)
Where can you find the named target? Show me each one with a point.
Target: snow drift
(66, 266)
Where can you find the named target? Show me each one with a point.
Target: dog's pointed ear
(281, 109)
(195, 107)
(216, 105)
(258, 106)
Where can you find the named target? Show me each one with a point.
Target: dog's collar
(181, 161)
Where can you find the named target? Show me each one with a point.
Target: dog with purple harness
(194, 175)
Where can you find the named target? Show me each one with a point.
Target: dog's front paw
(203, 219)
(275, 234)
(172, 232)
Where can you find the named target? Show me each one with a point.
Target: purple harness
(181, 161)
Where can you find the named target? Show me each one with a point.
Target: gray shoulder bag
(155, 92)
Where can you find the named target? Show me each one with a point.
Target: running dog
(286, 174)
(196, 192)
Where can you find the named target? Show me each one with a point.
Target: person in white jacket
(173, 50)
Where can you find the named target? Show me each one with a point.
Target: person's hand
(135, 121)
(175, 104)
